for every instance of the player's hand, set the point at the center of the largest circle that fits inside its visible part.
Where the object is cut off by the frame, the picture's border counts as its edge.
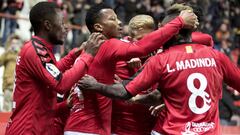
(93, 43)
(87, 83)
(134, 100)
(156, 109)
(79, 49)
(134, 63)
(190, 19)
(117, 79)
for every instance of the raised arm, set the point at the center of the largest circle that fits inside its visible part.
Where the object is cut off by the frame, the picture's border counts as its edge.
(116, 91)
(154, 40)
(147, 78)
(151, 99)
(61, 82)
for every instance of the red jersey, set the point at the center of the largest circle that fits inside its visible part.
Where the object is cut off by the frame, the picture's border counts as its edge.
(130, 119)
(202, 38)
(61, 114)
(94, 115)
(37, 80)
(190, 78)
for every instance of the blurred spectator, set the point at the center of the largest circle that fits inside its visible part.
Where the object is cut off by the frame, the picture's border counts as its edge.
(130, 9)
(227, 108)
(79, 10)
(11, 24)
(8, 60)
(218, 9)
(120, 10)
(1, 10)
(223, 32)
(67, 10)
(58, 2)
(144, 7)
(226, 47)
(157, 10)
(111, 3)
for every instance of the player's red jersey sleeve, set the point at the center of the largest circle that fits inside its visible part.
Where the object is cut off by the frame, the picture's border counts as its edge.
(202, 38)
(231, 73)
(147, 78)
(46, 74)
(153, 41)
(66, 62)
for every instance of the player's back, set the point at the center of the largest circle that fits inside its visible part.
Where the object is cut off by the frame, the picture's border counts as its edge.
(191, 83)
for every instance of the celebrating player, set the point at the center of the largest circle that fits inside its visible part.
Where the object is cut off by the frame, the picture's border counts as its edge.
(190, 79)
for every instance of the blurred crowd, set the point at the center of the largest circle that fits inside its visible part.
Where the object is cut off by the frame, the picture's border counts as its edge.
(221, 19)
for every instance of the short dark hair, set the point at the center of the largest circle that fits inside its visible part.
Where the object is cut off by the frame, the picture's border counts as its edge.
(93, 15)
(172, 13)
(40, 12)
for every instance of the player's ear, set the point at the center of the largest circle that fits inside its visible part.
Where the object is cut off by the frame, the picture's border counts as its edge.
(98, 27)
(47, 25)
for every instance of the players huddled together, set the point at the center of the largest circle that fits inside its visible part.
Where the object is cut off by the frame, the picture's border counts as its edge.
(158, 81)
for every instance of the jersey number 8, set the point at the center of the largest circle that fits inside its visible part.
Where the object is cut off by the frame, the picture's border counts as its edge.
(198, 92)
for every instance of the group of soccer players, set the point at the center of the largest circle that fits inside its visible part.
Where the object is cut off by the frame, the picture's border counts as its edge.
(186, 76)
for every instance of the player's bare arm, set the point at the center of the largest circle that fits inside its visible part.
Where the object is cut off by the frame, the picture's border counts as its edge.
(151, 99)
(116, 91)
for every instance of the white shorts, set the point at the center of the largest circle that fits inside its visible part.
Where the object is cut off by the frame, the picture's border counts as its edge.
(155, 133)
(77, 133)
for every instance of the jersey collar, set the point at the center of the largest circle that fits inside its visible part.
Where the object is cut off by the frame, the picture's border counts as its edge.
(44, 42)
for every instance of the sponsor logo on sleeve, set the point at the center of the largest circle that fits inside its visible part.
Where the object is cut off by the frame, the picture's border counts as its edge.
(53, 70)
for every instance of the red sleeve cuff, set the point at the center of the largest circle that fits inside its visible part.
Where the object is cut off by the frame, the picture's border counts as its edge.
(133, 91)
(181, 20)
(86, 58)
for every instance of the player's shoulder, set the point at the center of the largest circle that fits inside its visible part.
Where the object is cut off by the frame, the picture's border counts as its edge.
(114, 43)
(117, 41)
(27, 48)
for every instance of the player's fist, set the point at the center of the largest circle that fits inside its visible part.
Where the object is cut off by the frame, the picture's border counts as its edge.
(190, 19)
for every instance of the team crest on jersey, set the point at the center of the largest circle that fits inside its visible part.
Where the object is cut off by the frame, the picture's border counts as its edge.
(53, 70)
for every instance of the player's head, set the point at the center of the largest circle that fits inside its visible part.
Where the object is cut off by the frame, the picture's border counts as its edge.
(102, 18)
(140, 25)
(47, 20)
(184, 34)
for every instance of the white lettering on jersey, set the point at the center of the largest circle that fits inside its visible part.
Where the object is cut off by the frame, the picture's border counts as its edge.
(79, 105)
(18, 60)
(169, 70)
(53, 70)
(13, 104)
(192, 63)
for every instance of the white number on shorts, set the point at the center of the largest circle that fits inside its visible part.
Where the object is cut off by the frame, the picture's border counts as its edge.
(198, 92)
